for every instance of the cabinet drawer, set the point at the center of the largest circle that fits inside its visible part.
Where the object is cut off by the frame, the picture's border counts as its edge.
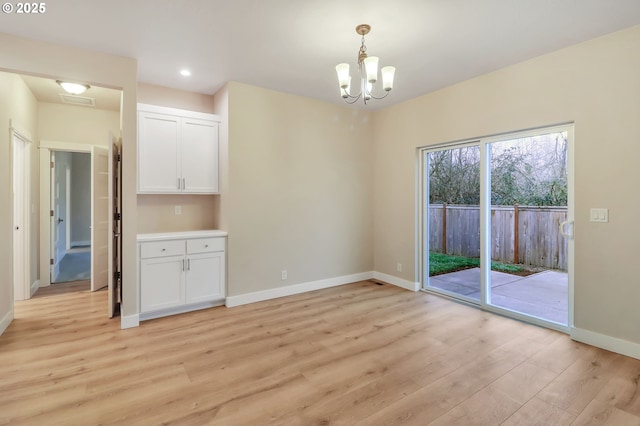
(161, 249)
(205, 245)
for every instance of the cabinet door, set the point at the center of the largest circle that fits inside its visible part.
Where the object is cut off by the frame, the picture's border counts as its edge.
(199, 156)
(161, 283)
(205, 277)
(158, 153)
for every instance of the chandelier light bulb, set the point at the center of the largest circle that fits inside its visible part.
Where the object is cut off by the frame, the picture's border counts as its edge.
(343, 75)
(371, 67)
(344, 92)
(387, 77)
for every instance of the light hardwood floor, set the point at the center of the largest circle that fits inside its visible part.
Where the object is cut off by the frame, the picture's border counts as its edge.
(355, 354)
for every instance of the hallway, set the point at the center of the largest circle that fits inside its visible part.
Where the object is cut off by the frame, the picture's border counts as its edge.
(75, 266)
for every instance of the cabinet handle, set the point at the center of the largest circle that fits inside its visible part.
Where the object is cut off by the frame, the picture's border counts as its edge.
(178, 183)
(206, 246)
(164, 249)
(184, 186)
(188, 264)
(183, 264)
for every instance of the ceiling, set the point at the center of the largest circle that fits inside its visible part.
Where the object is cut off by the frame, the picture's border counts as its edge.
(293, 45)
(47, 90)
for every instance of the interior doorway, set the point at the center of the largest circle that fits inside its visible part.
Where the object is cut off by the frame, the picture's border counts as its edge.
(71, 231)
(496, 223)
(64, 252)
(32, 187)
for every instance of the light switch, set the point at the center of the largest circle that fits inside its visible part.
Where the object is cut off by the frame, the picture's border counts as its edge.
(599, 215)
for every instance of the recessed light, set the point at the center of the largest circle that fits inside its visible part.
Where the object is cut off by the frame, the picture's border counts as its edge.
(185, 73)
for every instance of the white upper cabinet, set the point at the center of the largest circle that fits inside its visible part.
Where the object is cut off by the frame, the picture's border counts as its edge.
(158, 153)
(177, 151)
(199, 156)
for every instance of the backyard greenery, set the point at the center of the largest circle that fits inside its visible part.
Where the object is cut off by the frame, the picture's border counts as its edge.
(529, 172)
(443, 263)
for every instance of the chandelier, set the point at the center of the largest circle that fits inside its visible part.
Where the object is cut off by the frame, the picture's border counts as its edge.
(368, 69)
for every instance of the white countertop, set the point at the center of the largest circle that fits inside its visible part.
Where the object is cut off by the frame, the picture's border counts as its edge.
(181, 235)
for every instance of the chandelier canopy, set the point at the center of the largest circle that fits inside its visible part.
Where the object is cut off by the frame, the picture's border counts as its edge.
(368, 70)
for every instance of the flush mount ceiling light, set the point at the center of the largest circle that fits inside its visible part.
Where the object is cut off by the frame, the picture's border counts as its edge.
(185, 73)
(73, 88)
(368, 70)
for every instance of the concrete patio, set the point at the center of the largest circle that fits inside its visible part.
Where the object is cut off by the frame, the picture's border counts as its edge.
(543, 295)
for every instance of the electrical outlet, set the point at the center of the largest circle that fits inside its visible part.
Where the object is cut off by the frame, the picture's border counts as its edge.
(284, 275)
(178, 210)
(399, 267)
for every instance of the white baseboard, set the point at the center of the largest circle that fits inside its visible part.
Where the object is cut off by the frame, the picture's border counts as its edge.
(274, 293)
(603, 341)
(5, 321)
(399, 282)
(34, 287)
(180, 309)
(80, 243)
(129, 321)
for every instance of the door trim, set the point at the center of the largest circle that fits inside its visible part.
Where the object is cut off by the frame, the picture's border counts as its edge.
(45, 189)
(18, 132)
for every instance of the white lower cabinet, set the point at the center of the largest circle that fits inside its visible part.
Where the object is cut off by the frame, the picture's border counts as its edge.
(161, 283)
(204, 277)
(180, 272)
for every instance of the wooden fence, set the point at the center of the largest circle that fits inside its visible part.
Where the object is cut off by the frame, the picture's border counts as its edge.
(519, 234)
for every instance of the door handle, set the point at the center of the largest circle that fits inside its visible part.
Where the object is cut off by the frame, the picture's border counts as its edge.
(60, 220)
(563, 227)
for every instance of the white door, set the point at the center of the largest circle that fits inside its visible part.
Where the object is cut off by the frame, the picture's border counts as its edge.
(114, 225)
(53, 235)
(100, 205)
(61, 162)
(20, 188)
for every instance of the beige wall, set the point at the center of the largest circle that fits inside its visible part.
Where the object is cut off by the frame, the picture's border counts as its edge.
(77, 124)
(156, 213)
(62, 62)
(299, 190)
(594, 84)
(18, 106)
(221, 108)
(174, 98)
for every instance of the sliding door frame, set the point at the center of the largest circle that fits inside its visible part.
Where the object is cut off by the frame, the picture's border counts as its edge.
(422, 222)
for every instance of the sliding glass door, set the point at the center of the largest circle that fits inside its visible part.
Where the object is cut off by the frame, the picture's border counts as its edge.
(452, 215)
(529, 203)
(496, 225)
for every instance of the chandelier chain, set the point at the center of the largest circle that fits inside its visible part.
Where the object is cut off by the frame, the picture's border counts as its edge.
(362, 54)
